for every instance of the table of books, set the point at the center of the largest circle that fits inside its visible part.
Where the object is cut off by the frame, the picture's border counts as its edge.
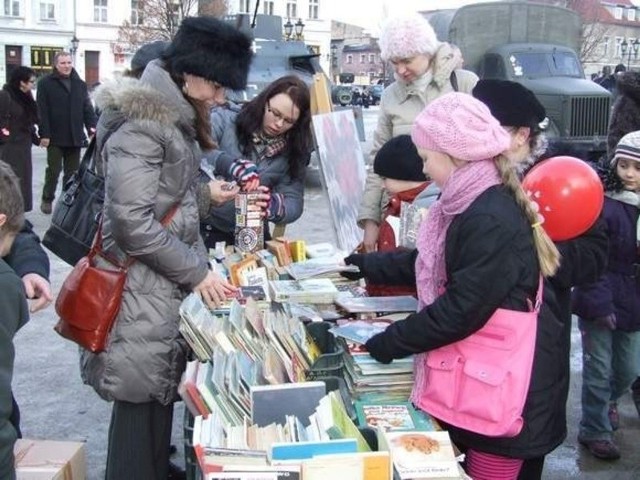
(280, 385)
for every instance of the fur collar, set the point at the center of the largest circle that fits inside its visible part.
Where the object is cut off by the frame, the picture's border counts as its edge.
(446, 59)
(155, 97)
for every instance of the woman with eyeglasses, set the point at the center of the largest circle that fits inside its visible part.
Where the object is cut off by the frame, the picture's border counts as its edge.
(264, 144)
(18, 118)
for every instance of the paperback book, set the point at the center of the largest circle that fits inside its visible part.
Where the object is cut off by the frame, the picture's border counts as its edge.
(399, 303)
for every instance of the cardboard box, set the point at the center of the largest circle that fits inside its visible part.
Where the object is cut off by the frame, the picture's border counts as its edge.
(50, 460)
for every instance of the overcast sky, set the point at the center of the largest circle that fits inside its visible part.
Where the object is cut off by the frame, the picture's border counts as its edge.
(369, 13)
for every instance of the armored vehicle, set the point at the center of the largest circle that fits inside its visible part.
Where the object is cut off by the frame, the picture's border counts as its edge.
(534, 44)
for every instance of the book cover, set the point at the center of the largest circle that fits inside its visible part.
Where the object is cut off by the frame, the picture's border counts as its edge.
(392, 416)
(410, 218)
(303, 450)
(313, 290)
(272, 403)
(399, 303)
(421, 455)
(359, 331)
(318, 266)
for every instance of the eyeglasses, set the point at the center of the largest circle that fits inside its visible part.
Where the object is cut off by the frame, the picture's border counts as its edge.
(279, 116)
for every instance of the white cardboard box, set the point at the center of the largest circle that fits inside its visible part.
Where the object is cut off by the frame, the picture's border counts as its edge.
(50, 460)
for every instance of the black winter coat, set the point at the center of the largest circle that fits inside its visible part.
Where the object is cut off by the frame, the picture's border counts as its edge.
(63, 113)
(491, 262)
(625, 117)
(617, 291)
(27, 255)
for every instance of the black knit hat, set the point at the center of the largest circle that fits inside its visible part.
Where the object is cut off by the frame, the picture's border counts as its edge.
(146, 53)
(512, 104)
(212, 49)
(398, 159)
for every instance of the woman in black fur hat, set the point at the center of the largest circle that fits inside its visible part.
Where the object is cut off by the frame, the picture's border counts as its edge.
(149, 141)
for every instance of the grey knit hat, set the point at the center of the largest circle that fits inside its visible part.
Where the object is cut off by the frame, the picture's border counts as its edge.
(147, 53)
(628, 147)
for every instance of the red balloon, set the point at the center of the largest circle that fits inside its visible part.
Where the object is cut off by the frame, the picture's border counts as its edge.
(569, 196)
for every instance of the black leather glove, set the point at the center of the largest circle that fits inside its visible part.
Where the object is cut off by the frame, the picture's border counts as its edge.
(606, 321)
(376, 346)
(356, 259)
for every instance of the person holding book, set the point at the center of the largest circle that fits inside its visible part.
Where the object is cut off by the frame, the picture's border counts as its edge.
(400, 168)
(264, 144)
(14, 313)
(424, 69)
(149, 138)
(479, 249)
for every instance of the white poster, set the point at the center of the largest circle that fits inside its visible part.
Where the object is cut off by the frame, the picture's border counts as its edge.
(343, 171)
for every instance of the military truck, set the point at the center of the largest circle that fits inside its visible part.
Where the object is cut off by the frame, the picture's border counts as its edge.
(274, 57)
(534, 44)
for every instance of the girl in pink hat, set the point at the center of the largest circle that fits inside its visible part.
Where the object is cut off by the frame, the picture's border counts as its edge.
(480, 250)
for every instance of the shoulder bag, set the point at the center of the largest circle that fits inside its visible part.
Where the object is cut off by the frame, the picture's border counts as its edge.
(481, 382)
(76, 214)
(91, 295)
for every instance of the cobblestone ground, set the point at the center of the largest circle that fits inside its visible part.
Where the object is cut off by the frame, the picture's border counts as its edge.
(56, 405)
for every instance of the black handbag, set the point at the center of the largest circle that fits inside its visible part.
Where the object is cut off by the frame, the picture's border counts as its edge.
(76, 214)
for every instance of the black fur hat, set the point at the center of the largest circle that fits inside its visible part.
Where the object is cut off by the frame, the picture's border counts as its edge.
(512, 104)
(210, 48)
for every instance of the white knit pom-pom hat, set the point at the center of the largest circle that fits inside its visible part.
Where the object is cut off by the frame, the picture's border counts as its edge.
(407, 36)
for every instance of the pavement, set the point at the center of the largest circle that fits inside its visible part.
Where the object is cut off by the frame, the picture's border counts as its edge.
(55, 405)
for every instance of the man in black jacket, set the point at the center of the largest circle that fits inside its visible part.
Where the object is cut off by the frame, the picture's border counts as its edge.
(64, 111)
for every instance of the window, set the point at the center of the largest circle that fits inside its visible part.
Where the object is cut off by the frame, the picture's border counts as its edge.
(617, 13)
(292, 8)
(349, 59)
(12, 8)
(372, 58)
(136, 13)
(313, 9)
(245, 6)
(604, 47)
(618, 52)
(100, 11)
(363, 58)
(631, 14)
(268, 7)
(47, 11)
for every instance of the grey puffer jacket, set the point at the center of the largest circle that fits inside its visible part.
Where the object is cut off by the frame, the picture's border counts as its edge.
(274, 172)
(399, 106)
(150, 161)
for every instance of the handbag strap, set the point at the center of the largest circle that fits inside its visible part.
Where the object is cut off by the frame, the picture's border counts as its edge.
(96, 248)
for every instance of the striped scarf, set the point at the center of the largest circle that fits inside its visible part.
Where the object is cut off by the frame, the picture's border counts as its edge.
(268, 147)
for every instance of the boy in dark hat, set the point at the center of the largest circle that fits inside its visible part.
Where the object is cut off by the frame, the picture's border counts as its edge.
(400, 168)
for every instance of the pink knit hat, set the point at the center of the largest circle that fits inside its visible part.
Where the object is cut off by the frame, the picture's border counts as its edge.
(460, 126)
(407, 36)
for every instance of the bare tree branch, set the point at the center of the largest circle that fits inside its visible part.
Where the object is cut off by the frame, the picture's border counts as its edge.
(154, 20)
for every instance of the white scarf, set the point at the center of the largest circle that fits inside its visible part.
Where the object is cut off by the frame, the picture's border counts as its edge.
(419, 86)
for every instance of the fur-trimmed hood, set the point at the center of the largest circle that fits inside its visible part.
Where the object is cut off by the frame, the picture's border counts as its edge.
(628, 83)
(154, 98)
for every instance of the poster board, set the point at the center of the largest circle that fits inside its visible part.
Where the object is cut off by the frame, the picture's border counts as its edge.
(343, 173)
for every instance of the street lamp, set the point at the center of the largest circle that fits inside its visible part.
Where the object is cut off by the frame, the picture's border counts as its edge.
(74, 46)
(628, 49)
(334, 60)
(288, 29)
(299, 29)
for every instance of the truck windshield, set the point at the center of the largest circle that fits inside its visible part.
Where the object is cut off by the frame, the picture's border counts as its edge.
(544, 64)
